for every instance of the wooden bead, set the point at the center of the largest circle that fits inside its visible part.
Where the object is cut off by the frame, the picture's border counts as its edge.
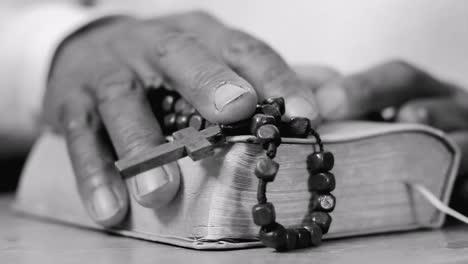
(264, 214)
(298, 127)
(322, 219)
(303, 237)
(272, 110)
(315, 234)
(259, 120)
(238, 128)
(170, 122)
(291, 240)
(267, 134)
(278, 102)
(167, 103)
(320, 161)
(266, 169)
(323, 181)
(183, 107)
(273, 236)
(197, 122)
(325, 202)
(181, 121)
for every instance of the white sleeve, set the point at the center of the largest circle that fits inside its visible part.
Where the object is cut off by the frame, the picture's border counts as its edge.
(29, 37)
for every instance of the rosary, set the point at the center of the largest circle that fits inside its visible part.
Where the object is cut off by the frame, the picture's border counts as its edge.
(196, 137)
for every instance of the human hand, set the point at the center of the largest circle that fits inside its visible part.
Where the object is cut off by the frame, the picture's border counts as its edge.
(417, 96)
(97, 88)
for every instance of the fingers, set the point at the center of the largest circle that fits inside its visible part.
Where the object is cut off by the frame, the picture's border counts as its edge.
(316, 75)
(133, 130)
(102, 191)
(389, 84)
(444, 113)
(216, 91)
(269, 73)
(252, 59)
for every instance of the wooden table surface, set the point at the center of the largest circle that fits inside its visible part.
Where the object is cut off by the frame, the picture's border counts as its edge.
(24, 240)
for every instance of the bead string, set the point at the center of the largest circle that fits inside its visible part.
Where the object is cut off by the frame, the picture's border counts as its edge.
(267, 127)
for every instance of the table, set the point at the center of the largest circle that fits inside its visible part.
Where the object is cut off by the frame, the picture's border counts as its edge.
(25, 240)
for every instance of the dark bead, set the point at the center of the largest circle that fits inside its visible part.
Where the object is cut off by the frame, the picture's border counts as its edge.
(167, 103)
(303, 237)
(181, 122)
(325, 202)
(271, 150)
(266, 169)
(320, 161)
(273, 236)
(237, 128)
(268, 134)
(315, 234)
(278, 102)
(298, 127)
(197, 122)
(322, 219)
(323, 181)
(291, 240)
(263, 214)
(259, 120)
(170, 122)
(272, 110)
(183, 107)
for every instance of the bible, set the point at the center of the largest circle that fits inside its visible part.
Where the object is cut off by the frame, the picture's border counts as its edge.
(375, 163)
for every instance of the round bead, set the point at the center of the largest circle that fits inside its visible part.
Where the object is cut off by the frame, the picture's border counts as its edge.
(268, 133)
(298, 127)
(320, 161)
(273, 236)
(315, 234)
(197, 122)
(264, 214)
(181, 121)
(259, 120)
(303, 237)
(326, 202)
(278, 102)
(167, 103)
(266, 169)
(272, 110)
(323, 181)
(170, 122)
(183, 107)
(322, 219)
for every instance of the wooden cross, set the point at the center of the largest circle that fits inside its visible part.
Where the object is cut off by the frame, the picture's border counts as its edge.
(188, 141)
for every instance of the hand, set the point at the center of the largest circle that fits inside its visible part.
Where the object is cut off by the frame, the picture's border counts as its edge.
(97, 88)
(420, 98)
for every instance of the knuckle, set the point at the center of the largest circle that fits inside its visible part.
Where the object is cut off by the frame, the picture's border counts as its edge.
(406, 72)
(115, 82)
(358, 88)
(171, 40)
(242, 45)
(201, 16)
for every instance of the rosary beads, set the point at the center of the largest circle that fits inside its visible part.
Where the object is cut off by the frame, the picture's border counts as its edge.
(268, 127)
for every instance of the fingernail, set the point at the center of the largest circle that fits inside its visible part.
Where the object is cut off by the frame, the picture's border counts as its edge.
(331, 100)
(150, 181)
(418, 115)
(105, 203)
(227, 93)
(301, 106)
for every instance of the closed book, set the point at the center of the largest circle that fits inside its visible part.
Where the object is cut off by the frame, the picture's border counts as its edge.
(375, 165)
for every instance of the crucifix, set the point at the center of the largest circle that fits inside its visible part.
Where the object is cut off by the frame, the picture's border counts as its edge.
(187, 142)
